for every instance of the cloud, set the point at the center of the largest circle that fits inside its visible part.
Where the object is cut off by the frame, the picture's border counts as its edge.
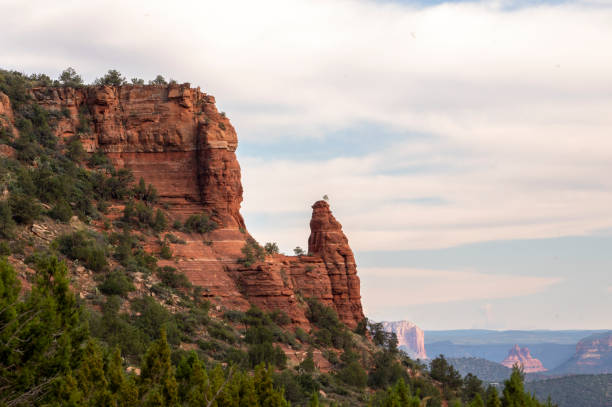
(487, 311)
(512, 101)
(394, 288)
(448, 196)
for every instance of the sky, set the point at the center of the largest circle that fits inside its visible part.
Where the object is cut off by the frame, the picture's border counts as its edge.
(465, 146)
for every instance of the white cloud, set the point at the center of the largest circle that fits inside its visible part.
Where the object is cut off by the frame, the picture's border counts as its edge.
(394, 288)
(518, 102)
(478, 198)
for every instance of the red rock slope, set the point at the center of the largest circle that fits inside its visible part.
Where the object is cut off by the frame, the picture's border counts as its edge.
(174, 137)
(522, 357)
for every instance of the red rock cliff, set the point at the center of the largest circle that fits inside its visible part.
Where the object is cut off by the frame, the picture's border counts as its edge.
(174, 137)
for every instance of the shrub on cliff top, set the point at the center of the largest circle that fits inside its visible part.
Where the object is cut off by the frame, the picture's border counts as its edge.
(271, 248)
(70, 78)
(112, 78)
(159, 80)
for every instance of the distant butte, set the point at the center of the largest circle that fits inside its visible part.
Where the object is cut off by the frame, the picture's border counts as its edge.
(523, 358)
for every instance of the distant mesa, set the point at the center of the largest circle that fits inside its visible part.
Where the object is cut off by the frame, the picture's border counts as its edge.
(523, 358)
(410, 337)
(593, 355)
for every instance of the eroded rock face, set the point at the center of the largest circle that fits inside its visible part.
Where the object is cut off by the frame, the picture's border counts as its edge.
(522, 357)
(174, 137)
(410, 338)
(328, 242)
(593, 356)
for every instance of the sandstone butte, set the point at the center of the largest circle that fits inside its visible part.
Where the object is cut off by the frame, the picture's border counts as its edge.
(174, 137)
(593, 355)
(410, 337)
(523, 358)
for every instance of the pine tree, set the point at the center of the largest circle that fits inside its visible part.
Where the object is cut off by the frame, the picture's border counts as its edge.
(403, 392)
(248, 395)
(264, 386)
(514, 392)
(141, 189)
(314, 400)
(41, 335)
(158, 386)
(91, 377)
(199, 389)
(492, 397)
(7, 224)
(123, 389)
(477, 401)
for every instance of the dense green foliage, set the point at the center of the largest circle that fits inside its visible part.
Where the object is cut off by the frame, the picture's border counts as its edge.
(49, 358)
(40, 334)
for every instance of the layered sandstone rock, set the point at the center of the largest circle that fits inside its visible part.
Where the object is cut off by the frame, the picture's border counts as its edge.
(523, 358)
(410, 338)
(174, 137)
(328, 242)
(593, 356)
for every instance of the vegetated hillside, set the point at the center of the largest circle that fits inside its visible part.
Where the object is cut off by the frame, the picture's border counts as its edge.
(575, 391)
(117, 290)
(550, 354)
(486, 370)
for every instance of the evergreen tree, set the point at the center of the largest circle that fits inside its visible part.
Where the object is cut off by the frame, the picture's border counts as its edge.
(91, 378)
(112, 78)
(199, 388)
(514, 391)
(158, 386)
(123, 389)
(70, 78)
(492, 397)
(264, 386)
(472, 386)
(314, 400)
(477, 401)
(40, 336)
(7, 224)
